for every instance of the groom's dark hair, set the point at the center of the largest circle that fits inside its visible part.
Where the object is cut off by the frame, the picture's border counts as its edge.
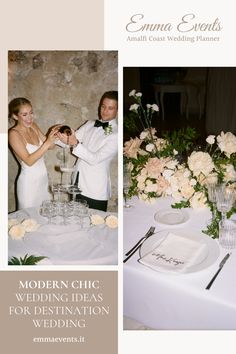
(112, 95)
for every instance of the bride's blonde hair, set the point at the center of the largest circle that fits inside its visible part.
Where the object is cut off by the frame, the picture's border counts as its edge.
(15, 105)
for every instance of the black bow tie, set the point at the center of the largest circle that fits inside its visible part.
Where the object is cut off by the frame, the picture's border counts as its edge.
(99, 123)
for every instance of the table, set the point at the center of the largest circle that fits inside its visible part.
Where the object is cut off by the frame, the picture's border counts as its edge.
(174, 302)
(66, 244)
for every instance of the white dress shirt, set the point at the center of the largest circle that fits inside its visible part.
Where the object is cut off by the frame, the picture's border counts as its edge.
(95, 152)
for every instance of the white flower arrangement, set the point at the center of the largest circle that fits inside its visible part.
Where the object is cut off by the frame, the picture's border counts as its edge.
(156, 170)
(97, 219)
(12, 222)
(18, 229)
(17, 232)
(30, 225)
(110, 220)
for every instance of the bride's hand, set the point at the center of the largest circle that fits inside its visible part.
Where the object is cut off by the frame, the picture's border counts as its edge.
(71, 140)
(52, 136)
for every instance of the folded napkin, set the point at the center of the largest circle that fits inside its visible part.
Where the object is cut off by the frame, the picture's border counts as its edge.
(174, 254)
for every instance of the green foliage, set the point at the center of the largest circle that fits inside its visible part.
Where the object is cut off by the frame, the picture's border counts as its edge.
(26, 260)
(212, 230)
(181, 140)
(182, 204)
(231, 212)
(131, 123)
(139, 162)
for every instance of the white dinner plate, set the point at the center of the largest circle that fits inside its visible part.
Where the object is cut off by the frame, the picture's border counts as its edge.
(171, 216)
(209, 257)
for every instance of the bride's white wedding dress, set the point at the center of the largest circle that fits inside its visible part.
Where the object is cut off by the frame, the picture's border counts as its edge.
(32, 184)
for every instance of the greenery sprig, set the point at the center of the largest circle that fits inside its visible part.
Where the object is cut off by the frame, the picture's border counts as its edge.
(26, 260)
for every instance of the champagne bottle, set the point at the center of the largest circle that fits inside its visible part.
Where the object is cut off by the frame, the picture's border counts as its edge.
(65, 129)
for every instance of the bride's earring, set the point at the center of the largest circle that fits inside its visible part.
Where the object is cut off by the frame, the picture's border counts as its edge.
(14, 116)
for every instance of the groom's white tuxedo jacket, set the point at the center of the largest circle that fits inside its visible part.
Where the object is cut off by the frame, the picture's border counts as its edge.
(95, 152)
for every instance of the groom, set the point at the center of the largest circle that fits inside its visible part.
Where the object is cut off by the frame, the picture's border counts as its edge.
(96, 144)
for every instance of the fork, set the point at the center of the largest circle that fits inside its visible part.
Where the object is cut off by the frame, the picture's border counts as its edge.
(139, 243)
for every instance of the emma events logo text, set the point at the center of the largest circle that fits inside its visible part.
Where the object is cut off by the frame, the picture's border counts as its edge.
(188, 23)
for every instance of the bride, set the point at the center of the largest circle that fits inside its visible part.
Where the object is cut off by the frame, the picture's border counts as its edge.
(29, 145)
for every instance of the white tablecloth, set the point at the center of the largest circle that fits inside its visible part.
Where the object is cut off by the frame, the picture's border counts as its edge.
(167, 301)
(66, 244)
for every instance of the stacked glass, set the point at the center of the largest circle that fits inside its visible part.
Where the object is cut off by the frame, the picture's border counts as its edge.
(66, 213)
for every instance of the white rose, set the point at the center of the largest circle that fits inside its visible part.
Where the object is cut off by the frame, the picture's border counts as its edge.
(134, 107)
(132, 93)
(142, 177)
(200, 162)
(177, 196)
(212, 178)
(167, 174)
(187, 191)
(210, 139)
(112, 221)
(171, 164)
(131, 147)
(231, 188)
(175, 152)
(149, 147)
(230, 174)
(138, 94)
(142, 196)
(193, 182)
(144, 134)
(186, 173)
(12, 222)
(198, 200)
(174, 183)
(155, 107)
(141, 186)
(150, 187)
(161, 144)
(97, 219)
(202, 180)
(30, 225)
(141, 182)
(142, 152)
(227, 143)
(17, 232)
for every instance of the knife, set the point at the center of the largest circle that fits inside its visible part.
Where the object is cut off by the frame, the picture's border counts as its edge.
(221, 265)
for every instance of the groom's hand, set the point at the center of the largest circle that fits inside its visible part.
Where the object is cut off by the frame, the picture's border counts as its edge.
(71, 139)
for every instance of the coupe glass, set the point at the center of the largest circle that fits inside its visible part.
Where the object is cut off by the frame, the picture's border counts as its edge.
(57, 191)
(74, 190)
(68, 213)
(48, 210)
(82, 212)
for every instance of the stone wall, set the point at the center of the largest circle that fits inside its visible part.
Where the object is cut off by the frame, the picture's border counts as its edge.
(63, 86)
